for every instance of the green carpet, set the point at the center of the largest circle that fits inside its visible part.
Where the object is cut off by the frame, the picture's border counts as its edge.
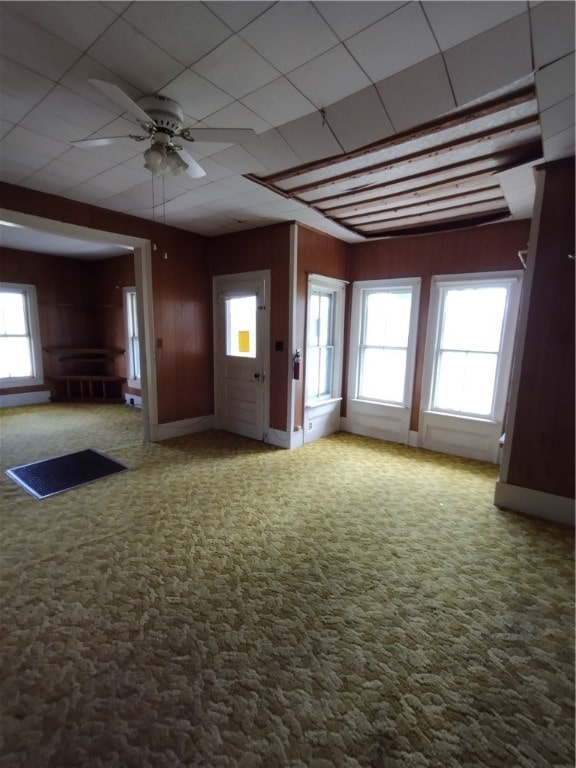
(350, 604)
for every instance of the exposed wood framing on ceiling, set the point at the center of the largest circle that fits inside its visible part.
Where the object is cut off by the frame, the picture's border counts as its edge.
(441, 176)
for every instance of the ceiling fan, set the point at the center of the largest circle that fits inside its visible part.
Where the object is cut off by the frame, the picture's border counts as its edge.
(162, 119)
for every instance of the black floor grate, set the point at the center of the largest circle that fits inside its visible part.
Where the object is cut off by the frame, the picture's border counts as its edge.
(50, 476)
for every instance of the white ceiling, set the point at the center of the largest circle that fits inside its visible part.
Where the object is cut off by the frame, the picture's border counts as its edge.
(314, 79)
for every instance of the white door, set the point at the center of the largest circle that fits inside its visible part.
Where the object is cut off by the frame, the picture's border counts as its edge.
(241, 332)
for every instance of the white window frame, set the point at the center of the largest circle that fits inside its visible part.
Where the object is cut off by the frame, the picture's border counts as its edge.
(337, 289)
(377, 418)
(132, 381)
(33, 326)
(360, 291)
(512, 280)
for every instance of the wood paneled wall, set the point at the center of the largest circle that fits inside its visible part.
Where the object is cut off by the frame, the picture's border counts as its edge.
(181, 296)
(541, 446)
(258, 249)
(481, 249)
(318, 254)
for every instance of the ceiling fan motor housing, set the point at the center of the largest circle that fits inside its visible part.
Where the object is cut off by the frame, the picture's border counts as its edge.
(166, 113)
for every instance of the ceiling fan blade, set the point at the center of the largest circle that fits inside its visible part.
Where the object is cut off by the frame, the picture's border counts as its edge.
(225, 135)
(194, 169)
(122, 99)
(106, 140)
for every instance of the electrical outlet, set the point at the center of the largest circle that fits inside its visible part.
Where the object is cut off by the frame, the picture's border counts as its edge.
(309, 425)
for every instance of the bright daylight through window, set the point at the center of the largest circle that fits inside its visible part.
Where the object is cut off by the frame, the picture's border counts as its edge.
(384, 340)
(474, 328)
(320, 355)
(241, 326)
(132, 337)
(20, 360)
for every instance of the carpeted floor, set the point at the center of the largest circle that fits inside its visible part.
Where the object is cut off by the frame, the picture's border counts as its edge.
(350, 604)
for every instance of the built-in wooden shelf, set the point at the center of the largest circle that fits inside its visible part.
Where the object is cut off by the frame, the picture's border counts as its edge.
(85, 375)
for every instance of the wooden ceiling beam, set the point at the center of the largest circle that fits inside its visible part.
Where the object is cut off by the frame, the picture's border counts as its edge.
(462, 117)
(524, 124)
(441, 211)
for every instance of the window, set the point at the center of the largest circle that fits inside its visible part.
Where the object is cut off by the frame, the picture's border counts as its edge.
(473, 323)
(385, 315)
(20, 355)
(241, 326)
(324, 339)
(132, 338)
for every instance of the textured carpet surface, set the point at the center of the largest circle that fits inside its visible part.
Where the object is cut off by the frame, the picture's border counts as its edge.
(350, 604)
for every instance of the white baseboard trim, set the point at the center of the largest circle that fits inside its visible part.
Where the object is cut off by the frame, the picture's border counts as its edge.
(413, 439)
(547, 506)
(183, 427)
(135, 401)
(24, 398)
(283, 439)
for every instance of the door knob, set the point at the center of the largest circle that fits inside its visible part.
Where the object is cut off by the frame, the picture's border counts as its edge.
(256, 375)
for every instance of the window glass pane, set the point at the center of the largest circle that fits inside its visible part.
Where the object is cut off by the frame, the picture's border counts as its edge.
(312, 369)
(382, 374)
(15, 357)
(325, 371)
(241, 326)
(387, 318)
(313, 319)
(465, 382)
(324, 326)
(472, 318)
(135, 357)
(13, 313)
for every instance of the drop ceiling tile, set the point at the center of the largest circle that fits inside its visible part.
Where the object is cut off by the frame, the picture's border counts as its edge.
(73, 174)
(27, 157)
(490, 60)
(48, 124)
(289, 34)
(237, 15)
(417, 94)
(20, 90)
(14, 172)
(560, 145)
(237, 116)
(78, 78)
(236, 68)
(394, 43)
(35, 142)
(197, 96)
(557, 118)
(5, 127)
(278, 102)
(79, 24)
(118, 6)
(240, 184)
(47, 181)
(88, 160)
(352, 132)
(311, 137)
(453, 23)
(66, 104)
(239, 160)
(346, 19)
(34, 48)
(274, 152)
(186, 31)
(552, 31)
(555, 82)
(329, 77)
(138, 60)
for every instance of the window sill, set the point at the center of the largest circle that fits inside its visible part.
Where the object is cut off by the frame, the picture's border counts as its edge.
(383, 403)
(325, 401)
(464, 416)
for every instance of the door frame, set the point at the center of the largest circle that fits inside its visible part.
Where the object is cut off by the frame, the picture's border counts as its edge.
(142, 250)
(238, 279)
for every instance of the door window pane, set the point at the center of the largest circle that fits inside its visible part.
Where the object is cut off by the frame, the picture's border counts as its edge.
(241, 326)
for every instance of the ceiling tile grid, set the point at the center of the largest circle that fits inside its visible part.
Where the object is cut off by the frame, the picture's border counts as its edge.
(313, 79)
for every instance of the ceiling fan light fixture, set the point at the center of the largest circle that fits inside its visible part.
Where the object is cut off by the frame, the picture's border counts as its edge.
(154, 159)
(174, 163)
